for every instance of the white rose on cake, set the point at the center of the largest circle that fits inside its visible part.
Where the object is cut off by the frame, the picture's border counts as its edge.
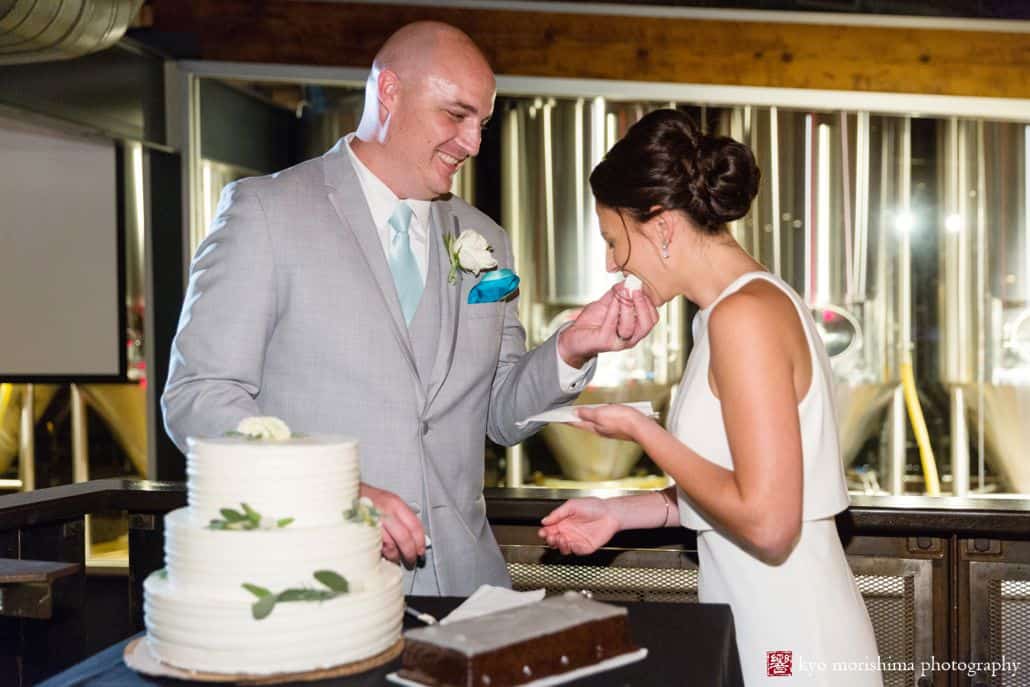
(263, 427)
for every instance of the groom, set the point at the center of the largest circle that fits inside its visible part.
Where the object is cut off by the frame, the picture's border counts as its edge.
(321, 296)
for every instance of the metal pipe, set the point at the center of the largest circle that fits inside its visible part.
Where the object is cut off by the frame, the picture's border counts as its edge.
(27, 440)
(884, 332)
(750, 134)
(810, 214)
(738, 228)
(957, 314)
(193, 190)
(80, 437)
(579, 184)
(959, 443)
(897, 428)
(903, 227)
(80, 457)
(153, 391)
(849, 240)
(957, 306)
(986, 305)
(823, 290)
(511, 209)
(513, 468)
(6, 392)
(603, 134)
(861, 201)
(547, 144)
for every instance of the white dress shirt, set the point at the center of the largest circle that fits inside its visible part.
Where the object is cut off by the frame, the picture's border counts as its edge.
(382, 202)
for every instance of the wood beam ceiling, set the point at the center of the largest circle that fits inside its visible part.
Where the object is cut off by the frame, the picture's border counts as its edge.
(676, 50)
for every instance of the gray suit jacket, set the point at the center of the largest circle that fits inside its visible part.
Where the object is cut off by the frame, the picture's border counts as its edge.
(291, 311)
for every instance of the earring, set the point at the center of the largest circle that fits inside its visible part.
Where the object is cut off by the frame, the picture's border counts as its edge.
(665, 250)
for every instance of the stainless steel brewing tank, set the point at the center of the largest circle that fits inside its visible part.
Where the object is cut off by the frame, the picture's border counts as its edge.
(549, 148)
(831, 190)
(984, 267)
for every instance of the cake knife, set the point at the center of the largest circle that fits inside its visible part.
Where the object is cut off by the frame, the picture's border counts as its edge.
(418, 615)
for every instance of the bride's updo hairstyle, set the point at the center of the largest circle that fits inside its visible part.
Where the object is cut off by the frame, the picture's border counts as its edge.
(665, 161)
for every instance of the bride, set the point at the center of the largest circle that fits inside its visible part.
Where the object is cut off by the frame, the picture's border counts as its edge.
(751, 441)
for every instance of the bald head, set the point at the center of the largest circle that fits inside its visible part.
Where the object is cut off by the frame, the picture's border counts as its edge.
(425, 46)
(428, 96)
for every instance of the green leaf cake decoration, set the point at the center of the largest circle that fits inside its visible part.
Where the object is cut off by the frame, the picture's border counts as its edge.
(363, 512)
(335, 583)
(245, 519)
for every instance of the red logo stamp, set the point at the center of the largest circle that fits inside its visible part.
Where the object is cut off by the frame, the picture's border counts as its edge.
(779, 663)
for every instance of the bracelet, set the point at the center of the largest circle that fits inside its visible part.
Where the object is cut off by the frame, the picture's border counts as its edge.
(665, 520)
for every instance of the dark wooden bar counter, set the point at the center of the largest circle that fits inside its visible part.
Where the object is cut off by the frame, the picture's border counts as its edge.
(895, 515)
(916, 515)
(939, 575)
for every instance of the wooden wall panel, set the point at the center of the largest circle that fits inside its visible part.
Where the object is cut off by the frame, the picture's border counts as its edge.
(741, 53)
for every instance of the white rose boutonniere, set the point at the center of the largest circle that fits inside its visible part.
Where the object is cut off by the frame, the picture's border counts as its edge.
(263, 427)
(468, 251)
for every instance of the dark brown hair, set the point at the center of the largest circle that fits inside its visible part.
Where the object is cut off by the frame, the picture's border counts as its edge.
(664, 160)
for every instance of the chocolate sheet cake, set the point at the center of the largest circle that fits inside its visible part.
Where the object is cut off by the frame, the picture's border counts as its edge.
(518, 645)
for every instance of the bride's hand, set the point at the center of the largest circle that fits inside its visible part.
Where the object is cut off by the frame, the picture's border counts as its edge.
(612, 421)
(579, 526)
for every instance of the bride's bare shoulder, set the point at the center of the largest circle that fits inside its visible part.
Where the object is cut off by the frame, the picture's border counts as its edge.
(760, 312)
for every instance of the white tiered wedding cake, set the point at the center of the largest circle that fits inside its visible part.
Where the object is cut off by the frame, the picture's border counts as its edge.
(275, 566)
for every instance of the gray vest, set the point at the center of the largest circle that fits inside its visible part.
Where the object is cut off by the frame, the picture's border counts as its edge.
(424, 332)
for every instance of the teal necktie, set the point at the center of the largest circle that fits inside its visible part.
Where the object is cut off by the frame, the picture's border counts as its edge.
(406, 276)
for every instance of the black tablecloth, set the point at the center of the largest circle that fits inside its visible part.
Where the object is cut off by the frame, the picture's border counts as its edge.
(688, 644)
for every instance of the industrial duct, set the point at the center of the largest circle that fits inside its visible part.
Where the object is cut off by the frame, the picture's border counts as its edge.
(40, 30)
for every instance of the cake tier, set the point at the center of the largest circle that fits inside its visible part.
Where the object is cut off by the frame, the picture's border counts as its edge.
(208, 563)
(310, 479)
(222, 636)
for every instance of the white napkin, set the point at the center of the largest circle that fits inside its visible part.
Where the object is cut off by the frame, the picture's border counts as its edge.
(568, 413)
(488, 599)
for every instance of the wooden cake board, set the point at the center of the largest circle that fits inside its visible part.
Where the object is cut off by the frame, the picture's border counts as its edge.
(138, 657)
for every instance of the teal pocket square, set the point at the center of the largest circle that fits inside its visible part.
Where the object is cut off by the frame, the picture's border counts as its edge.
(495, 285)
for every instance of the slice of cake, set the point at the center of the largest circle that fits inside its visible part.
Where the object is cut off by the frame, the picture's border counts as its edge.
(275, 565)
(519, 645)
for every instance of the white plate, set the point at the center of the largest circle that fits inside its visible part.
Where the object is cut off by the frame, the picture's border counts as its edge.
(568, 413)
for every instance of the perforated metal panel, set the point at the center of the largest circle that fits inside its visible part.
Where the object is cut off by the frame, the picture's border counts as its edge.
(999, 620)
(1009, 612)
(891, 599)
(612, 583)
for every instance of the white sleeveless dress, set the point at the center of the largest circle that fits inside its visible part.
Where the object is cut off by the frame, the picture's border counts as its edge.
(802, 622)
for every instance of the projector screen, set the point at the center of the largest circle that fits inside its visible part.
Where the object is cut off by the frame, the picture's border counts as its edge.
(61, 265)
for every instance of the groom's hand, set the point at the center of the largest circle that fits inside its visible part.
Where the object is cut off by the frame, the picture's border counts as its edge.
(598, 327)
(404, 539)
